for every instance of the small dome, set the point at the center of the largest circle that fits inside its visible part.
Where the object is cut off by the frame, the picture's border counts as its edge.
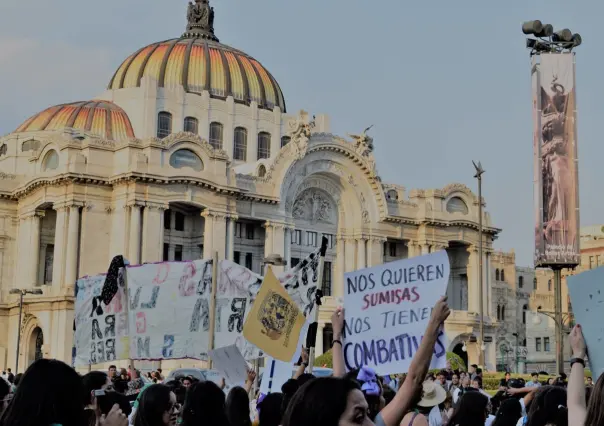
(102, 118)
(198, 62)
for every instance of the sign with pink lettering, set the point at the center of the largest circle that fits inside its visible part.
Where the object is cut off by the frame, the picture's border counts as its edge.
(169, 309)
(387, 310)
(101, 331)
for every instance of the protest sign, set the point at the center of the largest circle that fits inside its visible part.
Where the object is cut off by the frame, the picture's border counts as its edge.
(230, 363)
(586, 291)
(169, 311)
(275, 321)
(387, 310)
(275, 374)
(101, 331)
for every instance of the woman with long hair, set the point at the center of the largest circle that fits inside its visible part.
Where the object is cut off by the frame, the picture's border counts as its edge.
(238, 407)
(204, 405)
(328, 401)
(157, 406)
(269, 410)
(471, 410)
(548, 408)
(51, 392)
(508, 413)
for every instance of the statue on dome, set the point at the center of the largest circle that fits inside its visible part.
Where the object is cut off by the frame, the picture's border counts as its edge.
(363, 143)
(200, 16)
(300, 133)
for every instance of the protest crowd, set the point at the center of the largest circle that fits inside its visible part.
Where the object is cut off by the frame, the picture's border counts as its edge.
(52, 393)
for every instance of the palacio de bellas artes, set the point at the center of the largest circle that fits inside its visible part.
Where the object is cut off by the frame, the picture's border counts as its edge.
(190, 150)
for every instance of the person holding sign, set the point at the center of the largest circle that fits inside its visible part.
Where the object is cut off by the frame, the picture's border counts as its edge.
(410, 391)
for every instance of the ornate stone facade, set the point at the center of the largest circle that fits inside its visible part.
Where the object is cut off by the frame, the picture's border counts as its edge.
(206, 174)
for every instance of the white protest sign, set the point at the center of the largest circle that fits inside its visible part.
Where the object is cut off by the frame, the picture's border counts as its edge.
(275, 374)
(101, 333)
(586, 292)
(169, 315)
(230, 363)
(387, 310)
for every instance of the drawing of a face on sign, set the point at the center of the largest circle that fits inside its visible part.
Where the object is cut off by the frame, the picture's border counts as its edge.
(277, 316)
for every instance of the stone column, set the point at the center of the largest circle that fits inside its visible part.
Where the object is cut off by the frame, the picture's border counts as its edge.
(214, 236)
(412, 249)
(288, 246)
(231, 237)
(425, 248)
(361, 253)
(473, 284)
(268, 238)
(339, 281)
(153, 233)
(119, 230)
(319, 342)
(351, 254)
(376, 251)
(34, 247)
(134, 246)
(58, 264)
(438, 247)
(73, 237)
(275, 242)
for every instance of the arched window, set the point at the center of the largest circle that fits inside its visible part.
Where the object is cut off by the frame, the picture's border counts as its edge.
(51, 161)
(264, 145)
(392, 195)
(535, 283)
(496, 274)
(520, 281)
(261, 171)
(240, 144)
(502, 275)
(457, 205)
(164, 124)
(524, 342)
(30, 145)
(3, 149)
(503, 313)
(498, 312)
(524, 309)
(191, 125)
(216, 135)
(549, 285)
(285, 140)
(186, 158)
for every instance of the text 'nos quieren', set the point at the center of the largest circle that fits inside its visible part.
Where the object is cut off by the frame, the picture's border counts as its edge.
(392, 277)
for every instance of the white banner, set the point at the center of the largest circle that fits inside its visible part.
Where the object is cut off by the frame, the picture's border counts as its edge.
(169, 311)
(387, 310)
(101, 331)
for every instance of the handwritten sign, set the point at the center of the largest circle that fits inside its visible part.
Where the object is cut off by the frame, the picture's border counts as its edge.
(586, 291)
(230, 363)
(169, 311)
(387, 310)
(101, 333)
(275, 374)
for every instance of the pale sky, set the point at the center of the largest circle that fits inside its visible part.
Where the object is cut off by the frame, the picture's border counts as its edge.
(444, 82)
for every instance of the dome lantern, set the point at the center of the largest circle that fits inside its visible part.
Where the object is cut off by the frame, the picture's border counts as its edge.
(200, 21)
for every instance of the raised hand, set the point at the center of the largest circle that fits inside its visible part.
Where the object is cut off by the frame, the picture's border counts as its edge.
(577, 342)
(441, 311)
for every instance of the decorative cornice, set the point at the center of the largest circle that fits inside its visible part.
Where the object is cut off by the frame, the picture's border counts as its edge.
(214, 214)
(155, 205)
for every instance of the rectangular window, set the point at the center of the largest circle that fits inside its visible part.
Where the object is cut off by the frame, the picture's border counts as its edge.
(597, 261)
(392, 249)
(591, 262)
(538, 344)
(238, 229)
(179, 221)
(546, 344)
(249, 231)
(295, 261)
(178, 253)
(311, 238)
(297, 237)
(49, 257)
(248, 261)
(166, 252)
(327, 278)
(167, 219)
(237, 257)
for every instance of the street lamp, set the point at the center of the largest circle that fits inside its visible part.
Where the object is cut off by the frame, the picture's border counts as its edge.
(479, 172)
(21, 293)
(517, 366)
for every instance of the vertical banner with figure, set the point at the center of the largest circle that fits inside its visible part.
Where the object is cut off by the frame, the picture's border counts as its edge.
(387, 310)
(555, 150)
(101, 331)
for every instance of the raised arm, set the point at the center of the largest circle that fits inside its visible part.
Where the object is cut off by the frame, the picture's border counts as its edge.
(393, 413)
(302, 367)
(251, 377)
(577, 411)
(337, 354)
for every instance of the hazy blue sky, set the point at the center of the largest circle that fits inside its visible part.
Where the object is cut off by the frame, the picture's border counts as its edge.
(444, 82)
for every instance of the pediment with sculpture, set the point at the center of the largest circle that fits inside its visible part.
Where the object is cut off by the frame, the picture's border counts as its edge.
(315, 206)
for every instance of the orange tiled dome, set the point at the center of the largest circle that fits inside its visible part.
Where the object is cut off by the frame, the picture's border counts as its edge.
(102, 118)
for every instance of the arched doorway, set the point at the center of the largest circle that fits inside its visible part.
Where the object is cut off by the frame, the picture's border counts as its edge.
(458, 350)
(36, 341)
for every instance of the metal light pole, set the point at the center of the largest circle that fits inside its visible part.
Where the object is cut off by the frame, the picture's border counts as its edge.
(517, 350)
(559, 318)
(21, 293)
(479, 172)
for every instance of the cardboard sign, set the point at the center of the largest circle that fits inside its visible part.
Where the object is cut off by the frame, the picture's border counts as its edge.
(231, 364)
